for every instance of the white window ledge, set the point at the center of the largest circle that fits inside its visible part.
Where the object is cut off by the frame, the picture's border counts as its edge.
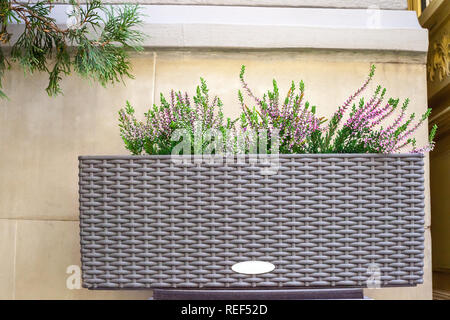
(346, 4)
(271, 28)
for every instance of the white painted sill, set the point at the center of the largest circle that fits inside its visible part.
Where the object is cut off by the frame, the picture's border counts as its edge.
(232, 27)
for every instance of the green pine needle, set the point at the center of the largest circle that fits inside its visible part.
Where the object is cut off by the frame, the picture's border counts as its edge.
(101, 55)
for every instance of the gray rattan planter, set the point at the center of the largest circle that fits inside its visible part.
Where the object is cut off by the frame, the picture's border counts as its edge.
(322, 220)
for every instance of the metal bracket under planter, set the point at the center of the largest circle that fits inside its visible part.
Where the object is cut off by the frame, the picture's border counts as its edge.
(291, 294)
(322, 220)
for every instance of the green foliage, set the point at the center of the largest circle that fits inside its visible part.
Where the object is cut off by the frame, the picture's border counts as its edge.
(289, 123)
(96, 45)
(432, 133)
(193, 120)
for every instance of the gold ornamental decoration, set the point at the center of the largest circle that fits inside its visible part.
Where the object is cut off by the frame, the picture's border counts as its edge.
(439, 62)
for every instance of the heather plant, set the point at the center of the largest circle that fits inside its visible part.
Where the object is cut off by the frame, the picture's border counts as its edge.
(367, 126)
(196, 119)
(292, 118)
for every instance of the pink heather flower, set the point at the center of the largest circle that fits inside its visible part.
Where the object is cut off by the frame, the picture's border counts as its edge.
(384, 114)
(341, 110)
(427, 148)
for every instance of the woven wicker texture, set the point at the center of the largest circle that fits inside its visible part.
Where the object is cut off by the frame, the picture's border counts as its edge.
(322, 220)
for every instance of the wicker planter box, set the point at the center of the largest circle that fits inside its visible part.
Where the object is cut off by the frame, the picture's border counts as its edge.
(322, 220)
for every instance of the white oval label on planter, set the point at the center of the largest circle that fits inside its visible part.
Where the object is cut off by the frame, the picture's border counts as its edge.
(252, 267)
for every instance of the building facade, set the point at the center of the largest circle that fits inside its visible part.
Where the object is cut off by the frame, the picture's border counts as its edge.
(330, 45)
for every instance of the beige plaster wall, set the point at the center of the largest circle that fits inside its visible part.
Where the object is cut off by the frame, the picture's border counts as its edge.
(41, 138)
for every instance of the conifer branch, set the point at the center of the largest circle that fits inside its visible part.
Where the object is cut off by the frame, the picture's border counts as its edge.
(95, 44)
